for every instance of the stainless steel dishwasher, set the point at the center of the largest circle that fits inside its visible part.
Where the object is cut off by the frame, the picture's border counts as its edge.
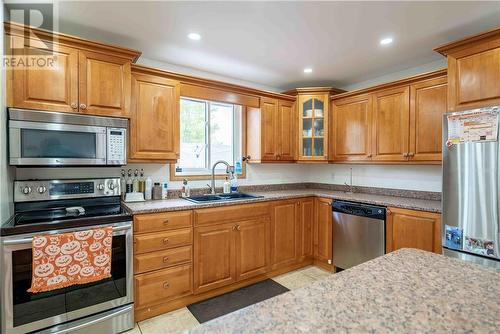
(358, 233)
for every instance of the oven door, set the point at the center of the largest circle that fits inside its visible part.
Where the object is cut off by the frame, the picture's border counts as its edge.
(55, 144)
(24, 312)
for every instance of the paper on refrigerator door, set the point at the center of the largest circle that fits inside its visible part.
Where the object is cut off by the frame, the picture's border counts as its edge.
(472, 127)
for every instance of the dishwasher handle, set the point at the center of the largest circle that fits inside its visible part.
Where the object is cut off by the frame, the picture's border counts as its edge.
(359, 209)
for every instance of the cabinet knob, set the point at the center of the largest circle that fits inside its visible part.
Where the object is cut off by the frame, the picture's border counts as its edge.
(411, 154)
(405, 155)
(74, 105)
(165, 222)
(165, 241)
(166, 285)
(238, 228)
(369, 155)
(83, 106)
(165, 259)
(389, 212)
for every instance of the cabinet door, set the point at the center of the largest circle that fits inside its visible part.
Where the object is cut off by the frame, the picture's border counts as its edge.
(286, 131)
(313, 127)
(253, 243)
(269, 123)
(214, 256)
(391, 124)
(104, 84)
(427, 106)
(285, 241)
(474, 76)
(53, 88)
(306, 224)
(413, 229)
(323, 230)
(154, 122)
(351, 124)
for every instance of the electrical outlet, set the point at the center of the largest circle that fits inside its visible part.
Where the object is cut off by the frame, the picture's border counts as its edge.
(329, 261)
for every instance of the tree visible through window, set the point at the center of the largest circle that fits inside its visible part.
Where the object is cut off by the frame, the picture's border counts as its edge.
(210, 131)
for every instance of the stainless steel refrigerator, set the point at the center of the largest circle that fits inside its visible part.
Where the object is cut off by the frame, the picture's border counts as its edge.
(471, 197)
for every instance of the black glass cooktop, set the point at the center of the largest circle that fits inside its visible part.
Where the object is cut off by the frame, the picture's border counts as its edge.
(60, 214)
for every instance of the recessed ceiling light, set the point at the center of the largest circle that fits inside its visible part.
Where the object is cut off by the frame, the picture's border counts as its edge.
(308, 70)
(386, 41)
(194, 36)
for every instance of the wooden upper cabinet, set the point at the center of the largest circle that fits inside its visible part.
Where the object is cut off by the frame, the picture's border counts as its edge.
(104, 84)
(286, 133)
(87, 76)
(413, 229)
(285, 233)
(427, 106)
(351, 128)
(313, 127)
(323, 230)
(473, 71)
(252, 247)
(390, 129)
(154, 119)
(54, 88)
(269, 124)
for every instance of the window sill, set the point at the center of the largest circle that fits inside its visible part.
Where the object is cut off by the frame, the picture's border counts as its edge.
(200, 177)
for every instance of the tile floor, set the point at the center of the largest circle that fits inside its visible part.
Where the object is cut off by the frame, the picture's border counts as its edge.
(181, 319)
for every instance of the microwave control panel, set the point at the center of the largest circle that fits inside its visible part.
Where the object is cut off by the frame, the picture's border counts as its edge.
(117, 146)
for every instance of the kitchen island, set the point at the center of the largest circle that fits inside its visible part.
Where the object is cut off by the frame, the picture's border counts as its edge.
(407, 291)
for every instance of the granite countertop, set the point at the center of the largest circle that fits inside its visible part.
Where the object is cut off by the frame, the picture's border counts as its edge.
(383, 200)
(407, 291)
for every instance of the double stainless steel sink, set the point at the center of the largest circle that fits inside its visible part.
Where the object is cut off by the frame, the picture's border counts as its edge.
(221, 197)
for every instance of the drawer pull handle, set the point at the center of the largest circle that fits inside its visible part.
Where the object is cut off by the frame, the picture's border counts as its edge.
(165, 259)
(165, 241)
(165, 222)
(166, 285)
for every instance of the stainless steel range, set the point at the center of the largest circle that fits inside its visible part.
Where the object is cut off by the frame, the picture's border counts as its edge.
(59, 206)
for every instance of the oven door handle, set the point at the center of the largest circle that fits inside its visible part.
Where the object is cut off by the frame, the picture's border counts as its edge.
(20, 241)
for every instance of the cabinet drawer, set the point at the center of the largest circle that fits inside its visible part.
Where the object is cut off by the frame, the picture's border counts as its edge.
(231, 213)
(162, 221)
(163, 240)
(162, 285)
(161, 259)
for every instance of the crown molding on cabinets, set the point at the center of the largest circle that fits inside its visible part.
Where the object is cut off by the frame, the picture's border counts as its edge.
(490, 36)
(16, 29)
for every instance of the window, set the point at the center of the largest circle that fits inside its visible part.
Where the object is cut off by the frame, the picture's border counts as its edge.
(210, 131)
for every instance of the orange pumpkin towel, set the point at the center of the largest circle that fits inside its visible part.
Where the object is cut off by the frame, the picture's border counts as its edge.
(61, 260)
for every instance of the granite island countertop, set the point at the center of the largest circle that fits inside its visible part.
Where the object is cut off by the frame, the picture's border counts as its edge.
(407, 291)
(383, 200)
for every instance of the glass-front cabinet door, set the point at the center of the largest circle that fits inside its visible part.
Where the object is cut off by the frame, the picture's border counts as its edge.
(313, 111)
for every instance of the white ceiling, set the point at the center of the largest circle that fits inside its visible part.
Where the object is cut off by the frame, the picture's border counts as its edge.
(270, 43)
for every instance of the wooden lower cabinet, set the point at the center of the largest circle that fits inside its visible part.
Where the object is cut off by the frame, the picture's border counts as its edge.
(252, 248)
(323, 231)
(285, 230)
(413, 229)
(162, 285)
(214, 256)
(306, 227)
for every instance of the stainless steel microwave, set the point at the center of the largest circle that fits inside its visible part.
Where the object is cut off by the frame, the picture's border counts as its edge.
(46, 138)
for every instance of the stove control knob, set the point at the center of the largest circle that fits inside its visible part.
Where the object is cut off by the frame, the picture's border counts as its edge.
(26, 190)
(41, 189)
(100, 186)
(111, 186)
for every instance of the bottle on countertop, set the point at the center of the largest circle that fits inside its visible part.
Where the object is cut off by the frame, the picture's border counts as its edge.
(122, 183)
(129, 184)
(164, 190)
(135, 181)
(142, 182)
(226, 188)
(157, 191)
(234, 183)
(185, 191)
(148, 188)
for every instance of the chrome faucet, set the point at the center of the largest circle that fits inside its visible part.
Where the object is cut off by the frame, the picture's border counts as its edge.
(229, 169)
(349, 187)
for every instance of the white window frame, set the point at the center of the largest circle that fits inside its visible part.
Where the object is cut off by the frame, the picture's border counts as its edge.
(237, 139)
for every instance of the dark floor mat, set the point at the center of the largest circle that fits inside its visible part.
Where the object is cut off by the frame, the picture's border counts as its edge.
(229, 302)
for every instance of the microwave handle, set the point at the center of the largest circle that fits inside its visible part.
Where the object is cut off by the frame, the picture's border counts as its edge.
(21, 241)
